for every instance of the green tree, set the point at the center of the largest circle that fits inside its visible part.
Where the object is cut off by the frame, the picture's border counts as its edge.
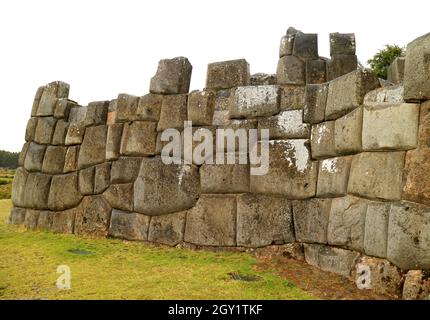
(8, 159)
(383, 58)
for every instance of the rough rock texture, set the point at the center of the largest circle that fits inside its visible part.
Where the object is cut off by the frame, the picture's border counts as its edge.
(396, 70)
(342, 43)
(201, 107)
(390, 94)
(286, 125)
(167, 229)
(173, 112)
(316, 71)
(255, 101)
(341, 64)
(228, 74)
(64, 193)
(416, 285)
(113, 142)
(139, 138)
(292, 97)
(173, 76)
(290, 70)
(34, 157)
(333, 175)
(348, 133)
(130, 226)
(64, 221)
(36, 191)
(376, 229)
(306, 45)
(120, 196)
(92, 217)
(322, 140)
(53, 161)
(18, 187)
(93, 148)
(315, 102)
(125, 169)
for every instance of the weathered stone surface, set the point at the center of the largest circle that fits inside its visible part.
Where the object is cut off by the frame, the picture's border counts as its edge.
(333, 177)
(377, 175)
(376, 229)
(71, 160)
(36, 100)
(287, 43)
(113, 142)
(130, 226)
(290, 70)
(149, 107)
(17, 216)
(45, 220)
(48, 99)
(291, 172)
(417, 64)
(322, 140)
(331, 259)
(292, 97)
(23, 154)
(341, 64)
(86, 180)
(346, 223)
(78, 114)
(92, 217)
(306, 45)
(96, 113)
(200, 154)
(290, 251)
(53, 161)
(384, 277)
(409, 236)
(173, 76)
(311, 220)
(31, 129)
(161, 189)
(416, 285)
(102, 177)
(286, 125)
(120, 196)
(63, 107)
(224, 178)
(34, 157)
(139, 138)
(396, 70)
(93, 148)
(173, 112)
(263, 220)
(263, 79)
(125, 170)
(208, 226)
(201, 107)
(236, 126)
(390, 94)
(64, 193)
(63, 221)
(348, 133)
(167, 229)
(126, 107)
(401, 134)
(316, 71)
(31, 218)
(255, 101)
(37, 190)
(347, 92)
(227, 74)
(342, 43)
(75, 133)
(60, 133)
(315, 102)
(44, 130)
(18, 187)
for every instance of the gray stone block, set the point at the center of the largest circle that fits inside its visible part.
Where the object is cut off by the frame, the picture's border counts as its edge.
(149, 107)
(173, 112)
(167, 229)
(390, 94)
(201, 107)
(34, 157)
(342, 43)
(102, 177)
(306, 45)
(53, 161)
(63, 221)
(92, 217)
(290, 70)
(120, 196)
(60, 133)
(315, 102)
(341, 64)
(86, 180)
(96, 113)
(93, 148)
(139, 138)
(31, 129)
(45, 220)
(113, 141)
(130, 226)
(63, 107)
(37, 188)
(227, 74)
(23, 154)
(322, 140)
(173, 76)
(292, 97)
(44, 130)
(396, 71)
(125, 170)
(286, 125)
(376, 229)
(348, 133)
(19, 187)
(126, 108)
(36, 101)
(48, 99)
(17, 216)
(64, 193)
(263, 79)
(31, 218)
(75, 133)
(71, 160)
(333, 175)
(316, 71)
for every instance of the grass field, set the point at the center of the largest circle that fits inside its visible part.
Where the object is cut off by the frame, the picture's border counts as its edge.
(116, 269)
(6, 177)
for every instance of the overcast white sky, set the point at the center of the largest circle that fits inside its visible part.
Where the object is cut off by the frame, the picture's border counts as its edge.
(102, 48)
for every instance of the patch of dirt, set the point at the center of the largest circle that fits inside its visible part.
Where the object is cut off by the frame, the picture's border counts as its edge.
(322, 284)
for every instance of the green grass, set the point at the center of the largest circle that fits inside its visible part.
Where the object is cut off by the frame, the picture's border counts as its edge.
(126, 270)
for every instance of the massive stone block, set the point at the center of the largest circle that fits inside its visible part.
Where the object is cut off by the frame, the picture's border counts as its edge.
(54, 159)
(120, 196)
(113, 141)
(212, 221)
(34, 157)
(60, 133)
(348, 133)
(306, 45)
(36, 191)
(63, 221)
(75, 133)
(44, 130)
(396, 71)
(167, 229)
(263, 220)
(18, 187)
(31, 218)
(235, 125)
(311, 220)
(130, 226)
(45, 220)
(346, 222)
(376, 229)
(401, 134)
(48, 99)
(63, 107)
(331, 259)
(201, 107)
(173, 76)
(417, 65)
(390, 94)
(96, 113)
(149, 107)
(292, 97)
(377, 175)
(263, 79)
(322, 140)
(125, 169)
(31, 129)
(255, 101)
(86, 180)
(316, 71)
(287, 42)
(227, 74)
(64, 193)
(342, 43)
(173, 112)
(71, 160)
(409, 236)
(92, 217)
(333, 175)
(315, 102)
(17, 216)
(126, 108)
(290, 70)
(341, 64)
(139, 138)
(36, 100)
(161, 188)
(291, 172)
(93, 148)
(102, 177)
(347, 92)
(286, 125)
(23, 154)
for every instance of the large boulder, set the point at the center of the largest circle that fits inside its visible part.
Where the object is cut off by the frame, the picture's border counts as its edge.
(125, 169)
(348, 132)
(63, 221)
(173, 112)
(53, 161)
(149, 107)
(44, 130)
(228, 74)
(290, 70)
(167, 229)
(93, 148)
(286, 125)
(34, 157)
(201, 107)
(139, 138)
(341, 64)
(315, 102)
(18, 187)
(322, 140)
(37, 188)
(92, 217)
(306, 45)
(316, 71)
(130, 226)
(333, 175)
(376, 229)
(292, 97)
(342, 43)
(64, 193)
(49, 96)
(173, 76)
(120, 196)
(60, 133)
(113, 141)
(396, 71)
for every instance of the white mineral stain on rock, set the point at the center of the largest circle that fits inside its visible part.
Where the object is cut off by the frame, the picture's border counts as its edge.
(329, 165)
(184, 169)
(290, 120)
(255, 96)
(322, 129)
(296, 153)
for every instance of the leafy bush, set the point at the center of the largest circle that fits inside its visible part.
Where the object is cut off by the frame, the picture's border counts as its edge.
(383, 58)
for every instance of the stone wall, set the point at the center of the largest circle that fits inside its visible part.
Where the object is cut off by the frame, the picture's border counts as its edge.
(349, 174)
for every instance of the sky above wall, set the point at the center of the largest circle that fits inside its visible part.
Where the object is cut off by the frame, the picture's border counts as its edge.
(102, 47)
